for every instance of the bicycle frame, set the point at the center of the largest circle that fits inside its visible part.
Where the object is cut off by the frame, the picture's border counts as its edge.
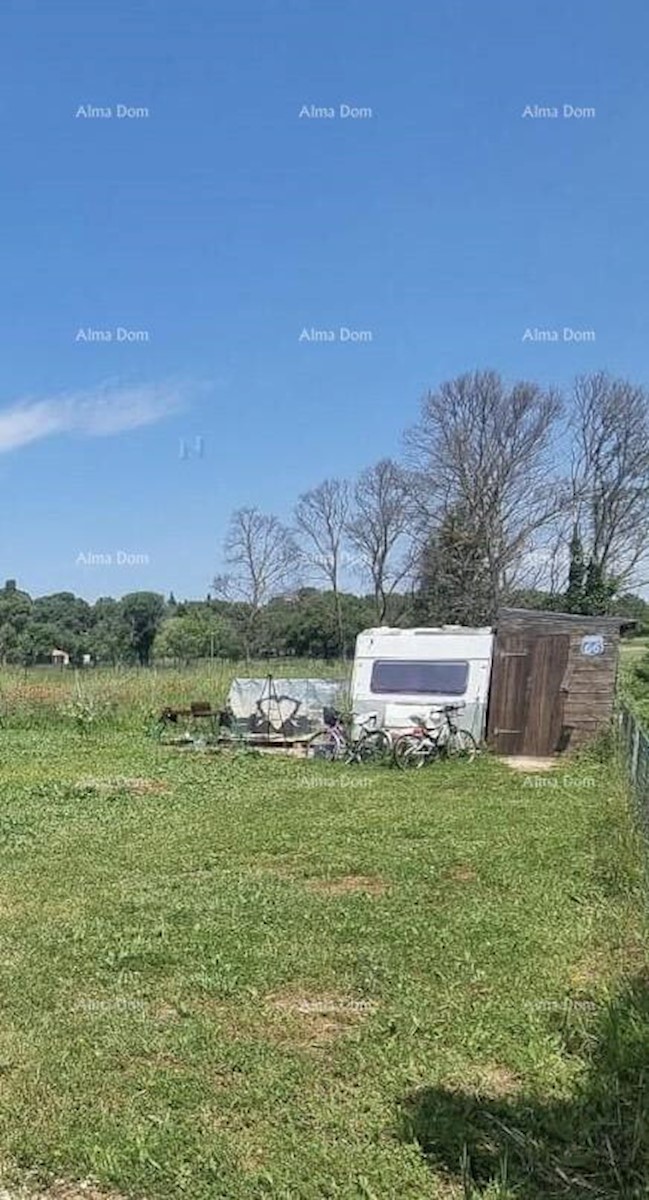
(435, 735)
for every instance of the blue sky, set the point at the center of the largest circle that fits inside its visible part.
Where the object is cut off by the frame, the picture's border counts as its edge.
(222, 224)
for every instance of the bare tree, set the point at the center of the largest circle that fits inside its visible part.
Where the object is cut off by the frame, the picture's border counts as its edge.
(321, 517)
(485, 449)
(610, 424)
(261, 556)
(378, 529)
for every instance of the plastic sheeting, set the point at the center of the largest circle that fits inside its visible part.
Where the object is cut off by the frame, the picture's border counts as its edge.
(283, 708)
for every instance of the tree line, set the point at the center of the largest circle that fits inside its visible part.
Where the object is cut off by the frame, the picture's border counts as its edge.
(503, 494)
(502, 491)
(144, 627)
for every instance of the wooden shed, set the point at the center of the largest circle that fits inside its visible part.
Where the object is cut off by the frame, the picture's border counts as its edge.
(553, 680)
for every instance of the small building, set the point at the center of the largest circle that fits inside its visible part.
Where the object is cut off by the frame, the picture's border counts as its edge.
(553, 680)
(60, 658)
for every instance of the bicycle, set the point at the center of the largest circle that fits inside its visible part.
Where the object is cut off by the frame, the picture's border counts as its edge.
(334, 744)
(373, 744)
(437, 739)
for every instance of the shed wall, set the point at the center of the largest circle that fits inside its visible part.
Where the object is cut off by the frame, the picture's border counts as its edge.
(587, 690)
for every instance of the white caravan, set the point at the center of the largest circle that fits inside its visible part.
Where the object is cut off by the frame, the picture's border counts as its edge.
(402, 672)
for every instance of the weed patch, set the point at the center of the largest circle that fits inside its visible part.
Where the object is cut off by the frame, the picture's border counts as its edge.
(318, 1019)
(347, 885)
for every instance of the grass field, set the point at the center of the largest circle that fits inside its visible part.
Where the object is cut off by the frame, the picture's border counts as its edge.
(123, 696)
(242, 977)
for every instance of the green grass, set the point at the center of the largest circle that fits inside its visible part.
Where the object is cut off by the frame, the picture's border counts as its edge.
(634, 676)
(634, 648)
(245, 977)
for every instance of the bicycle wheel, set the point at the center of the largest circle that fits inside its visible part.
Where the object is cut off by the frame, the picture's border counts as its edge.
(371, 747)
(460, 744)
(325, 744)
(411, 751)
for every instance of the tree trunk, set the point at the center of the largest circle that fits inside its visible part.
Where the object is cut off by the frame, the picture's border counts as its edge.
(342, 648)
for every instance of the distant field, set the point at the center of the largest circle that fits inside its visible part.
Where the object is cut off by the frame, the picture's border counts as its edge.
(123, 695)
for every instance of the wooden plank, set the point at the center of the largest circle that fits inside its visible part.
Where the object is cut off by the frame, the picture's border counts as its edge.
(508, 695)
(582, 694)
(545, 710)
(524, 619)
(584, 705)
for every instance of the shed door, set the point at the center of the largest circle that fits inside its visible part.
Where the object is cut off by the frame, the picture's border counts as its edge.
(526, 701)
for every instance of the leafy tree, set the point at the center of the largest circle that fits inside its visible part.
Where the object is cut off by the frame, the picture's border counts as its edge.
(108, 640)
(15, 606)
(36, 643)
(198, 634)
(63, 610)
(8, 642)
(69, 617)
(635, 608)
(538, 599)
(307, 624)
(142, 613)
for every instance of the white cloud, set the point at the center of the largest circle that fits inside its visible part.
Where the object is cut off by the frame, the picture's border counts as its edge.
(98, 412)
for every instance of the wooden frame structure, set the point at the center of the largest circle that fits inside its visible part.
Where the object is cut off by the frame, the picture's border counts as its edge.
(553, 682)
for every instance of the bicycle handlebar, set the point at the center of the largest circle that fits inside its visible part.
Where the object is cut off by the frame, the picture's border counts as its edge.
(367, 719)
(437, 710)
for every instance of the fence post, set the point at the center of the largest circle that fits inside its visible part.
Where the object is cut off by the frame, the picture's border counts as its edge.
(635, 749)
(635, 752)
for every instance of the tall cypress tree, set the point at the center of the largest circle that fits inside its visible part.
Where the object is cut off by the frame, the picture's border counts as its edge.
(599, 590)
(574, 595)
(455, 584)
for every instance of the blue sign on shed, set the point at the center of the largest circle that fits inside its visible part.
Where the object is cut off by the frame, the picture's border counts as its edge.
(592, 645)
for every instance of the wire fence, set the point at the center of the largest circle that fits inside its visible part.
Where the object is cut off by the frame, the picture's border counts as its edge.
(634, 742)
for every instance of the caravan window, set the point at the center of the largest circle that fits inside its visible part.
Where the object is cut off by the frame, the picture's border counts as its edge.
(413, 678)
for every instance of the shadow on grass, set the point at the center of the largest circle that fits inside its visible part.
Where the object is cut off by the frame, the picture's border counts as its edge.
(594, 1145)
